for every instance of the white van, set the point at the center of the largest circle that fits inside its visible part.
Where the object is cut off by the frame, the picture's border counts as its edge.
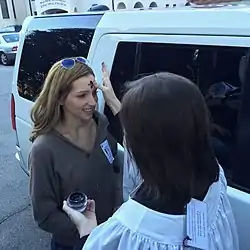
(207, 45)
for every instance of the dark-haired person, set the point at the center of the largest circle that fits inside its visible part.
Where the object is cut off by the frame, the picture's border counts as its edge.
(182, 200)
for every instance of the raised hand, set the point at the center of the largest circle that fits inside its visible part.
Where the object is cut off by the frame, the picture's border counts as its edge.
(108, 91)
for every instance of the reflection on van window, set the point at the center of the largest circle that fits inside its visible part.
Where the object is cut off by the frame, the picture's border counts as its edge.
(217, 70)
(11, 38)
(42, 49)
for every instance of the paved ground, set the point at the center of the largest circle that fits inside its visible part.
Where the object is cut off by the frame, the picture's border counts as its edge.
(17, 229)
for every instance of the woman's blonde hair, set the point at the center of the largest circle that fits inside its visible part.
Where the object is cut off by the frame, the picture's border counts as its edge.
(47, 112)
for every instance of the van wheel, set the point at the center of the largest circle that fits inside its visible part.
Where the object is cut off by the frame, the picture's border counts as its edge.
(4, 59)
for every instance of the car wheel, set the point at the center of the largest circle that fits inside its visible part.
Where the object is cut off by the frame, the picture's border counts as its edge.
(4, 59)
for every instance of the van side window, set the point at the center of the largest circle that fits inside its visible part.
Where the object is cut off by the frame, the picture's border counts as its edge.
(123, 66)
(44, 46)
(219, 73)
(122, 70)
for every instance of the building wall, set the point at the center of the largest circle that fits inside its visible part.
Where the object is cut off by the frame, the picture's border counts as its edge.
(11, 19)
(129, 4)
(18, 11)
(47, 6)
(84, 5)
(24, 8)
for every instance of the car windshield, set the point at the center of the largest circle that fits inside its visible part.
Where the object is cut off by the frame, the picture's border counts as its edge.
(11, 38)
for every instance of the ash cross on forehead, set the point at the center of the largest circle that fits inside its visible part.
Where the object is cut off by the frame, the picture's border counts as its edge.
(91, 84)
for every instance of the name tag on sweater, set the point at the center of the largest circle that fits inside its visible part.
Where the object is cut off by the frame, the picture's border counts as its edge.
(197, 228)
(107, 151)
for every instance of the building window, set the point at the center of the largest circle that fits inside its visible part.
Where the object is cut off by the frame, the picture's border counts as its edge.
(153, 5)
(4, 8)
(138, 5)
(121, 6)
(54, 11)
(13, 7)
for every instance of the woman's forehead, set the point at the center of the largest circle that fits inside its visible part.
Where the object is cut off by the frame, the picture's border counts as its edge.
(84, 83)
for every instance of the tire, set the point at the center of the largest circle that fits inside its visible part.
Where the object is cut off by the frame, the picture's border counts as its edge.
(4, 59)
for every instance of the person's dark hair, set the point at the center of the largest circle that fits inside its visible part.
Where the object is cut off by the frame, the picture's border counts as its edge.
(167, 132)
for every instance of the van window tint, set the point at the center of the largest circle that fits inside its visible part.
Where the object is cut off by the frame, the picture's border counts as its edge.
(49, 40)
(219, 73)
(122, 71)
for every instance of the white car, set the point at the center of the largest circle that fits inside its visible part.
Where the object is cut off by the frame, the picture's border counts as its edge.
(8, 47)
(210, 46)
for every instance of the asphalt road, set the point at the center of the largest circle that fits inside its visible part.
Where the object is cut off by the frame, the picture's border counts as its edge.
(17, 228)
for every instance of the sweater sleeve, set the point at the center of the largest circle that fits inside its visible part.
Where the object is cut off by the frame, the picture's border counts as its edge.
(46, 205)
(115, 128)
(81, 243)
(118, 190)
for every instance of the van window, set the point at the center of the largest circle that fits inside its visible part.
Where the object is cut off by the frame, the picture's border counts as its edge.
(123, 70)
(219, 73)
(49, 40)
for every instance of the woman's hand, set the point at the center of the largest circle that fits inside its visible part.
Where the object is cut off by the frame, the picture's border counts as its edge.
(108, 91)
(85, 222)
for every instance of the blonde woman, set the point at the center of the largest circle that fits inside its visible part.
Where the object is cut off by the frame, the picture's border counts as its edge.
(68, 151)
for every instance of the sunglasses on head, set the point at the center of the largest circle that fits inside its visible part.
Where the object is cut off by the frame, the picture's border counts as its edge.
(69, 63)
